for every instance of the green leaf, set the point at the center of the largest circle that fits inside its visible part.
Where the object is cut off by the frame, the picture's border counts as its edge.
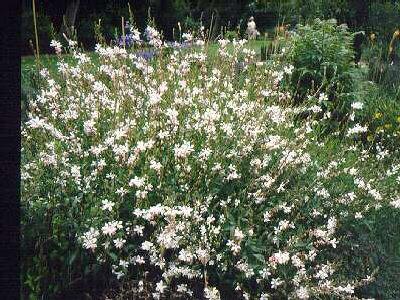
(72, 258)
(259, 257)
(113, 256)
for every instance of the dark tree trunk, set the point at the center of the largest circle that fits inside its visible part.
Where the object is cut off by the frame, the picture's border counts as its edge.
(70, 17)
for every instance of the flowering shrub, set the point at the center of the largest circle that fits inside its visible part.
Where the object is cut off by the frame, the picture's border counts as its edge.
(191, 178)
(132, 36)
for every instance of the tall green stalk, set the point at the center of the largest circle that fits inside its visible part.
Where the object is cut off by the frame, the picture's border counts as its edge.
(35, 28)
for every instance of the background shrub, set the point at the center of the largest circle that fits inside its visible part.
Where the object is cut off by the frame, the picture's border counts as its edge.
(44, 28)
(322, 56)
(384, 18)
(383, 57)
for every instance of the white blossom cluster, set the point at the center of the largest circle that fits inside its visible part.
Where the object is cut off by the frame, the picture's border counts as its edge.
(185, 166)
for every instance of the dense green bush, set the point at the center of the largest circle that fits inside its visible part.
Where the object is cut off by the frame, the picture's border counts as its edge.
(383, 57)
(322, 56)
(384, 18)
(293, 11)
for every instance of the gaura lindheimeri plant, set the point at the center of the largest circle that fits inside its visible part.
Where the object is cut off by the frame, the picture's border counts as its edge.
(188, 174)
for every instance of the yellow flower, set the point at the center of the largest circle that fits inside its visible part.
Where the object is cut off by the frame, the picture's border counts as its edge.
(396, 33)
(398, 119)
(388, 125)
(377, 115)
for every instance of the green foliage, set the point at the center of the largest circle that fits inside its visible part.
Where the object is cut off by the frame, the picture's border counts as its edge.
(181, 9)
(381, 114)
(384, 18)
(384, 65)
(322, 56)
(303, 10)
(191, 25)
(322, 9)
(263, 53)
(29, 88)
(44, 29)
(52, 259)
(381, 245)
(231, 35)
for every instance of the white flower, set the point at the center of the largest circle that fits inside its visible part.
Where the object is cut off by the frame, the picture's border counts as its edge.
(288, 69)
(146, 245)
(56, 45)
(119, 243)
(137, 182)
(182, 288)
(280, 258)
(155, 165)
(123, 263)
(88, 127)
(348, 289)
(357, 129)
(154, 98)
(72, 43)
(138, 230)
(267, 217)
(238, 234)
(89, 239)
(185, 256)
(265, 273)
(187, 37)
(160, 286)
(183, 150)
(205, 154)
(315, 109)
(276, 282)
(135, 35)
(234, 246)
(121, 191)
(322, 97)
(357, 105)
(200, 43)
(211, 293)
(203, 256)
(153, 36)
(395, 203)
(265, 296)
(35, 123)
(107, 205)
(138, 259)
(302, 293)
(110, 228)
(233, 174)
